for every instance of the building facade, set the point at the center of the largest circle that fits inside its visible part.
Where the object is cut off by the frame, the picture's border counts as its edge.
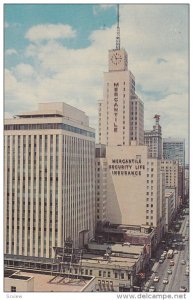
(174, 149)
(49, 180)
(121, 112)
(171, 170)
(129, 188)
(170, 207)
(126, 177)
(100, 183)
(153, 140)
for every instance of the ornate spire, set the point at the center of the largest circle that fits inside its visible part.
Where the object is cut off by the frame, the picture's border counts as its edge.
(118, 40)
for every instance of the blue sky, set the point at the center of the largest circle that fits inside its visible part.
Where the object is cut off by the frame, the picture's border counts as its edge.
(59, 53)
(85, 18)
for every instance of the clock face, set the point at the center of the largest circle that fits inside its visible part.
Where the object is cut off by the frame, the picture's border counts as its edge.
(116, 58)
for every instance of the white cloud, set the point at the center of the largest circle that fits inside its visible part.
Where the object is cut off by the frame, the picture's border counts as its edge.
(11, 51)
(24, 70)
(101, 7)
(50, 32)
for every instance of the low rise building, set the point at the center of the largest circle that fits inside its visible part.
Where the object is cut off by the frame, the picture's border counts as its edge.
(114, 266)
(38, 281)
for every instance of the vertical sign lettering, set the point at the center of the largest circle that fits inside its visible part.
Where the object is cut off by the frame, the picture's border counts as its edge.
(116, 85)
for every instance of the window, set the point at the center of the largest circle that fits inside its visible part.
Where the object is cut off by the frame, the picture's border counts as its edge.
(122, 275)
(99, 273)
(13, 288)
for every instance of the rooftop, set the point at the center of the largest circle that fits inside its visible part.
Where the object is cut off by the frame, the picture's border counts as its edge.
(121, 248)
(54, 283)
(116, 261)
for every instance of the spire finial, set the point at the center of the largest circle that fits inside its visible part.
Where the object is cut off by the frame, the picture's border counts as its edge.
(118, 41)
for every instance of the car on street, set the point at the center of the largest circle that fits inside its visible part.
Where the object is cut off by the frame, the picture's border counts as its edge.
(161, 261)
(171, 263)
(156, 279)
(165, 281)
(175, 251)
(169, 271)
(152, 288)
(183, 262)
(183, 289)
(187, 271)
(186, 238)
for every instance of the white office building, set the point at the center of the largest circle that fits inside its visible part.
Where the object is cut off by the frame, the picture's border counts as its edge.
(49, 180)
(129, 187)
(121, 112)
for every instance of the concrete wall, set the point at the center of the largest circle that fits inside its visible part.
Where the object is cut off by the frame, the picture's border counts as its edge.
(126, 194)
(21, 285)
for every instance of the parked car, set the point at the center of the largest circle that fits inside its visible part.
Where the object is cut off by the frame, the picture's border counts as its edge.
(183, 262)
(183, 289)
(156, 279)
(175, 251)
(165, 281)
(169, 271)
(152, 288)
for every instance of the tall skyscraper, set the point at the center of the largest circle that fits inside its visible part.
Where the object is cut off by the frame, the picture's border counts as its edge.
(153, 140)
(49, 180)
(121, 112)
(130, 182)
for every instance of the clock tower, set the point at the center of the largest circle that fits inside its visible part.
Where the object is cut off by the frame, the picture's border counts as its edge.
(118, 60)
(121, 110)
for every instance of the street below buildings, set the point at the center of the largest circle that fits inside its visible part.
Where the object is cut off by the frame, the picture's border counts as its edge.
(177, 278)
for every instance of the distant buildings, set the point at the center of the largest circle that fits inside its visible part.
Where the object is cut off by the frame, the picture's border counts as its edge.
(153, 140)
(171, 170)
(174, 149)
(49, 181)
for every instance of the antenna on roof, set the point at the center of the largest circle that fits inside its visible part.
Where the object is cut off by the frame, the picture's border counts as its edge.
(118, 40)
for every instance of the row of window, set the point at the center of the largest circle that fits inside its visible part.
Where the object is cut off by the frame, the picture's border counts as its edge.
(49, 126)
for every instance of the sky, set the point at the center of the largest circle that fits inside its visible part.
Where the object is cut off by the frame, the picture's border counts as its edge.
(59, 52)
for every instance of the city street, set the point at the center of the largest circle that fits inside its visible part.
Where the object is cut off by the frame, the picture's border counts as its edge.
(178, 277)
